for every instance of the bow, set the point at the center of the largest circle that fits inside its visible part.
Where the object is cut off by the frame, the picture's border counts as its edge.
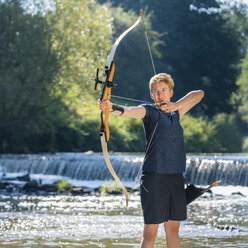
(106, 95)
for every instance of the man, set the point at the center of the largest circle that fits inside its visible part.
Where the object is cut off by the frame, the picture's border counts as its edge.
(162, 184)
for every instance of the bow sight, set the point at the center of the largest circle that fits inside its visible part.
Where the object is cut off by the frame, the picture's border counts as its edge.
(107, 83)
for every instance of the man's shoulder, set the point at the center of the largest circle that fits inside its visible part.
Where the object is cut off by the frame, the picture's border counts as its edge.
(151, 110)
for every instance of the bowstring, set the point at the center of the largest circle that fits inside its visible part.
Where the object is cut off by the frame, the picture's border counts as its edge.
(148, 44)
(150, 140)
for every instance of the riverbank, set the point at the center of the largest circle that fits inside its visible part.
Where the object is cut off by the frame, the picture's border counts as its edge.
(21, 185)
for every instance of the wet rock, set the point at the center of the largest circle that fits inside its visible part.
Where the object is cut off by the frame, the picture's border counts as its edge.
(115, 192)
(237, 193)
(24, 178)
(49, 187)
(4, 185)
(10, 189)
(226, 227)
(80, 191)
(31, 186)
(97, 189)
(77, 191)
(89, 152)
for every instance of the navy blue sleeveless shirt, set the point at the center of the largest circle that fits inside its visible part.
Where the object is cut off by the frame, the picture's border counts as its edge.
(166, 152)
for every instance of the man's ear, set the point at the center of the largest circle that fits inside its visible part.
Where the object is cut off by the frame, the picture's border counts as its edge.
(151, 95)
(172, 92)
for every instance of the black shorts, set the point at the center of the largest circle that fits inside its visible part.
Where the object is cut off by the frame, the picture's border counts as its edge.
(163, 197)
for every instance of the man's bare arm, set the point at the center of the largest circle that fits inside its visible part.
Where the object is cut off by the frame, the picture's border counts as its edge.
(137, 112)
(189, 101)
(184, 104)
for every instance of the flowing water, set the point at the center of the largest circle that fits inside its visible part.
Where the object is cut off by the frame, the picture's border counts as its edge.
(219, 219)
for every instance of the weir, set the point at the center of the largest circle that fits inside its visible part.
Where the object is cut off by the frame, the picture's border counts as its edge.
(201, 170)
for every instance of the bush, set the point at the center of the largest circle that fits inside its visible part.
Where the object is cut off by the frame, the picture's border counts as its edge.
(110, 187)
(245, 145)
(219, 134)
(63, 185)
(228, 132)
(199, 135)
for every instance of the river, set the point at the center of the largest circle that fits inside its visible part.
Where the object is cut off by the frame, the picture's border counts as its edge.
(217, 219)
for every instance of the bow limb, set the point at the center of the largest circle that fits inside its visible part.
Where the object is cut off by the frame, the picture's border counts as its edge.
(110, 167)
(117, 42)
(104, 131)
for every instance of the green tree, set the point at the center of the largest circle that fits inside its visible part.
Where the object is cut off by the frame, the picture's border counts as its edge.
(241, 97)
(27, 68)
(202, 53)
(240, 101)
(202, 46)
(133, 63)
(228, 132)
(47, 62)
(80, 32)
(199, 135)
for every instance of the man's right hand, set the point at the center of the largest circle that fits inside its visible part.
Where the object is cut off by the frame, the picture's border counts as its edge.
(104, 104)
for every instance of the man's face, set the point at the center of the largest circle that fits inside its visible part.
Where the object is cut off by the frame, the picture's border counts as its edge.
(161, 92)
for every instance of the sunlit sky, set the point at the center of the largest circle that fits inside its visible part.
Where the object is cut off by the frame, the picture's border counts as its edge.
(49, 4)
(232, 1)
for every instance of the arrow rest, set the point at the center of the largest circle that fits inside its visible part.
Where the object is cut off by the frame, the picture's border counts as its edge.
(107, 83)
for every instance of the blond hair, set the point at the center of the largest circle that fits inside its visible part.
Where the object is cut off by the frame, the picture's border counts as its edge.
(162, 77)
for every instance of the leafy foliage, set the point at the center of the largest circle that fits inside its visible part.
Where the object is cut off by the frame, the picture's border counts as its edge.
(133, 63)
(228, 132)
(241, 97)
(48, 59)
(199, 135)
(46, 66)
(200, 43)
(81, 42)
(63, 185)
(109, 187)
(27, 108)
(220, 134)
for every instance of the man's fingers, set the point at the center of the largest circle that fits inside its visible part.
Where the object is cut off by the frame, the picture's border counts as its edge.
(102, 104)
(163, 103)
